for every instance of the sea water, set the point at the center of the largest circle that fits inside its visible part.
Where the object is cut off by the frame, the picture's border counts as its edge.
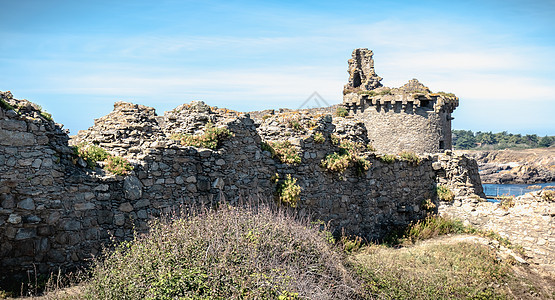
(492, 190)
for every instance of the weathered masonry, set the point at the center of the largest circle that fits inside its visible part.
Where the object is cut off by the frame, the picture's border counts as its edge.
(407, 118)
(55, 211)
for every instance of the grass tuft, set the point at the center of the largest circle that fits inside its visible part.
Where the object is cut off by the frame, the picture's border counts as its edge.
(411, 157)
(444, 193)
(341, 112)
(211, 138)
(284, 151)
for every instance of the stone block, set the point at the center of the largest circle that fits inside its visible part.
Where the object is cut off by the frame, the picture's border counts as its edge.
(126, 207)
(14, 219)
(16, 138)
(31, 219)
(84, 206)
(14, 125)
(53, 218)
(71, 225)
(119, 219)
(25, 233)
(133, 188)
(142, 214)
(8, 201)
(27, 204)
(141, 203)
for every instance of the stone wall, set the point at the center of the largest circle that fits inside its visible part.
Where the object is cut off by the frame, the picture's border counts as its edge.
(56, 212)
(530, 223)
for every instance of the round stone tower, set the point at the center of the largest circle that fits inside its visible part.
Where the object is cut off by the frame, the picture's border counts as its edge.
(410, 117)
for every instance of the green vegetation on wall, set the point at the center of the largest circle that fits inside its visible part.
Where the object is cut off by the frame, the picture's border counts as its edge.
(92, 154)
(211, 138)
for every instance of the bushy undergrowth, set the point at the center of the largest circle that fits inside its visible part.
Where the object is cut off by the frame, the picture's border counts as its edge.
(444, 193)
(319, 138)
(44, 114)
(341, 112)
(506, 202)
(118, 165)
(210, 139)
(434, 225)
(284, 151)
(348, 154)
(5, 105)
(336, 162)
(411, 157)
(229, 253)
(92, 154)
(548, 195)
(387, 158)
(288, 191)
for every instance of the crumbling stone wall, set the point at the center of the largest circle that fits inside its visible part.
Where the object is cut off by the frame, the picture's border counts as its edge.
(407, 118)
(56, 212)
(530, 223)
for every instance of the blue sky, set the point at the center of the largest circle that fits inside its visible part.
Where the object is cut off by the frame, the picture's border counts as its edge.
(76, 58)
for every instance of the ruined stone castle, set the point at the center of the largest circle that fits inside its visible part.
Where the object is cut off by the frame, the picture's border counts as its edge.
(56, 210)
(407, 118)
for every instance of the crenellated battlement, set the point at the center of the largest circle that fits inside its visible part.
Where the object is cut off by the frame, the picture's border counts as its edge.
(410, 117)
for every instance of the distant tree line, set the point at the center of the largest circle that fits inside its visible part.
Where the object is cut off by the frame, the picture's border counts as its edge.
(466, 139)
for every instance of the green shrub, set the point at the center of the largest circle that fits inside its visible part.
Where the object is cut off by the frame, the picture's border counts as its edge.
(229, 253)
(428, 205)
(411, 157)
(432, 226)
(444, 193)
(348, 153)
(385, 91)
(341, 112)
(369, 93)
(295, 124)
(265, 146)
(388, 158)
(289, 192)
(90, 153)
(118, 165)
(319, 138)
(370, 148)
(265, 117)
(361, 165)
(5, 105)
(448, 95)
(506, 202)
(351, 243)
(44, 114)
(210, 139)
(346, 146)
(336, 162)
(335, 139)
(285, 152)
(548, 195)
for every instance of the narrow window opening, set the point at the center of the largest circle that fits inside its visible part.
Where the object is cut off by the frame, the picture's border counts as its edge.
(441, 145)
(356, 80)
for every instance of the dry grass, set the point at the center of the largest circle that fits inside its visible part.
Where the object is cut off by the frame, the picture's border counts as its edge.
(250, 253)
(267, 253)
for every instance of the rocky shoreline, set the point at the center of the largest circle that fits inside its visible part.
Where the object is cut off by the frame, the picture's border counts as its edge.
(527, 166)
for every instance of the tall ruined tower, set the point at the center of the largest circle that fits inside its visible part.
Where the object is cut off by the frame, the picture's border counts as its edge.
(361, 71)
(410, 117)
